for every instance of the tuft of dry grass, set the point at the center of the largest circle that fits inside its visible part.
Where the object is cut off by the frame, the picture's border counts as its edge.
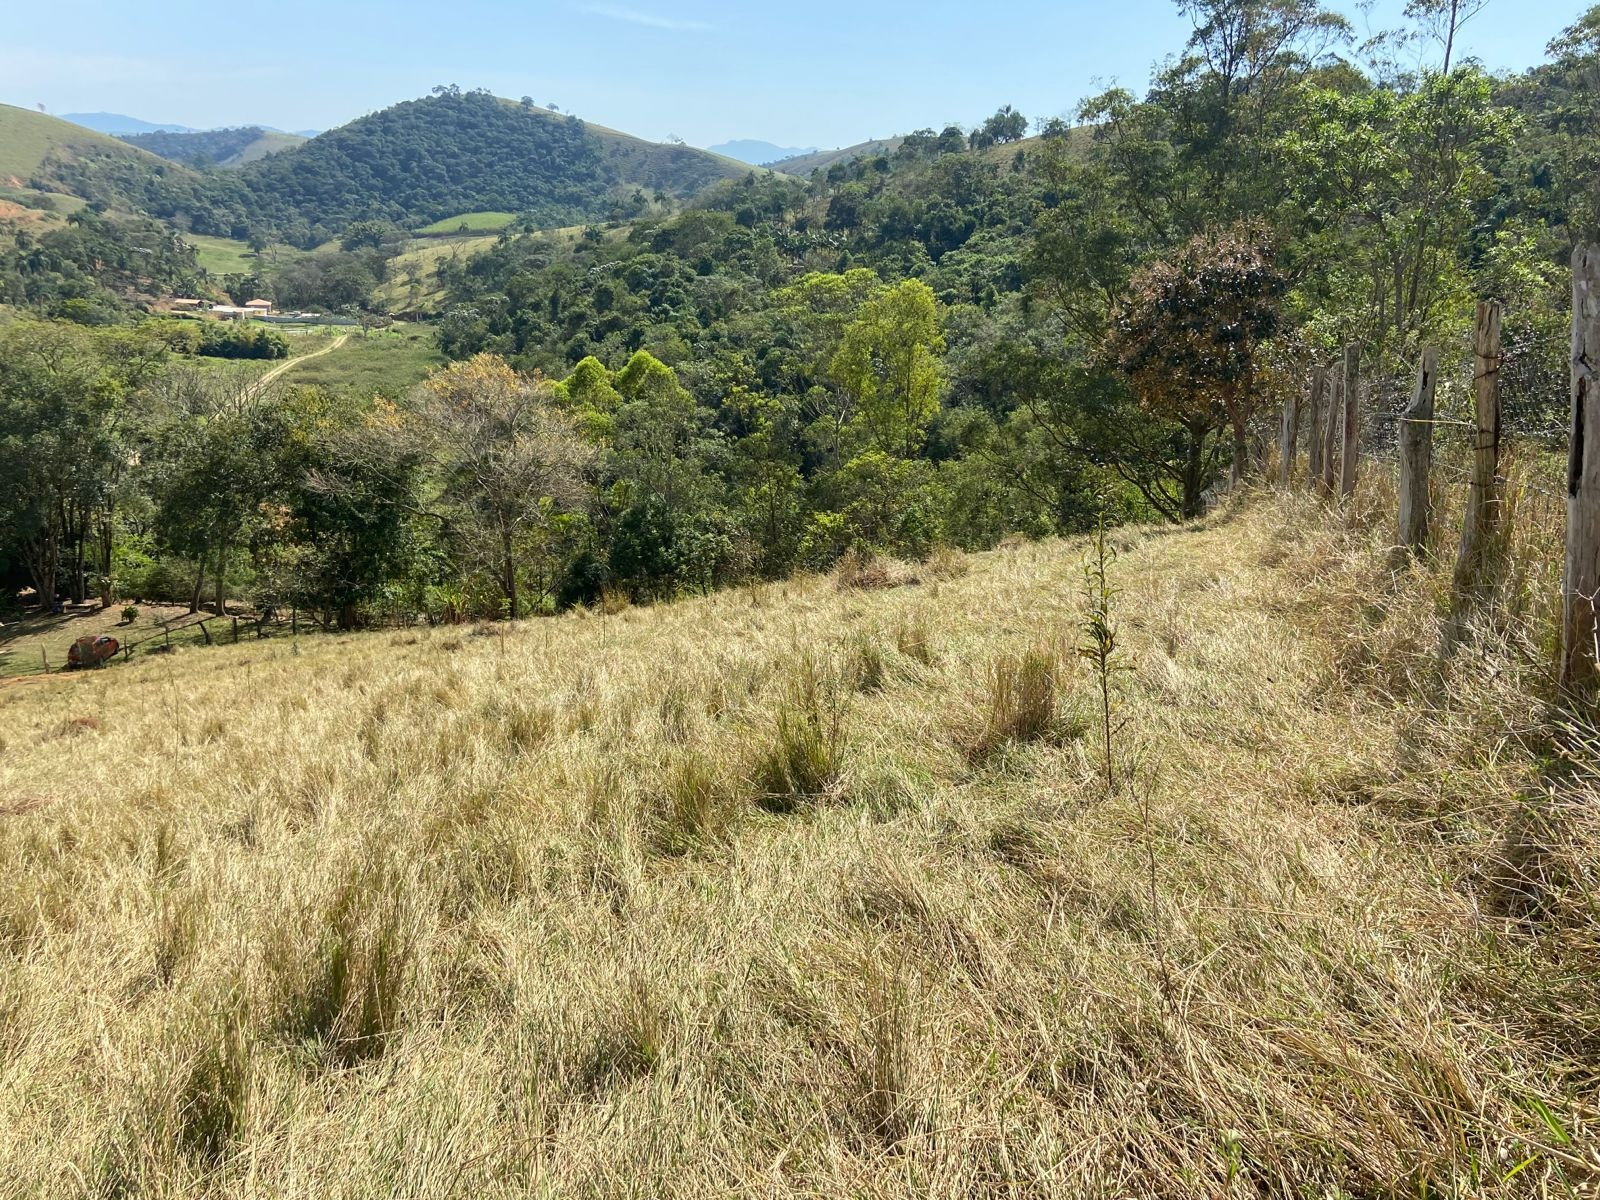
(537, 914)
(1022, 701)
(805, 758)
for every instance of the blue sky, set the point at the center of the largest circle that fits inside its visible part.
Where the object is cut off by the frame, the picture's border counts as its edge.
(825, 72)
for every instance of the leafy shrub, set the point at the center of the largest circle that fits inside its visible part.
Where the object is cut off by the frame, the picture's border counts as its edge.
(235, 340)
(130, 614)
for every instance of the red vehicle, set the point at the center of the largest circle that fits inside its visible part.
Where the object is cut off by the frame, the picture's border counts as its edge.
(92, 651)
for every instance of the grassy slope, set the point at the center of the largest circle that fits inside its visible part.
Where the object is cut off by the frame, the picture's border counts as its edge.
(267, 143)
(26, 138)
(29, 645)
(803, 165)
(594, 967)
(475, 222)
(223, 256)
(421, 258)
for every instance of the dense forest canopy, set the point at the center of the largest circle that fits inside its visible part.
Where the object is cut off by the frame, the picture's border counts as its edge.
(973, 334)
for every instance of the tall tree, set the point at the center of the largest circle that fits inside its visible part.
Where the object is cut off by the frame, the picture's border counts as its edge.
(888, 363)
(1189, 336)
(509, 455)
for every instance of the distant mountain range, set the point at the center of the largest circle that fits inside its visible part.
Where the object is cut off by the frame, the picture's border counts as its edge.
(119, 123)
(758, 153)
(115, 123)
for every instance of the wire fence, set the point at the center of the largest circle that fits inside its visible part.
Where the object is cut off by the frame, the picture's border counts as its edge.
(49, 656)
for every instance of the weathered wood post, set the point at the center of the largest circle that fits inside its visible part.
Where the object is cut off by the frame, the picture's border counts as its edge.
(1416, 455)
(1482, 520)
(1331, 434)
(1286, 438)
(1314, 447)
(1287, 429)
(1352, 422)
(1581, 583)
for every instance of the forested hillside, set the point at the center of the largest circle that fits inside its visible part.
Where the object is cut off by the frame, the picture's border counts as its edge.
(457, 152)
(410, 164)
(214, 147)
(89, 267)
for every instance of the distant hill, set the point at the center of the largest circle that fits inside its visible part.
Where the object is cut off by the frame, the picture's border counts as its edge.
(47, 154)
(818, 160)
(115, 123)
(759, 153)
(214, 147)
(414, 163)
(423, 160)
(34, 148)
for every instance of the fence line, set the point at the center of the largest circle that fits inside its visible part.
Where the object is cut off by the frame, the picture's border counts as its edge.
(1332, 435)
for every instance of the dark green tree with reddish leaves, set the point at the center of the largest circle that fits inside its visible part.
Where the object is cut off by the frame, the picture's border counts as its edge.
(1189, 335)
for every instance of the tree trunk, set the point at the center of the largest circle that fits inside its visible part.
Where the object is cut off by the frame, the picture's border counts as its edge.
(44, 566)
(1194, 473)
(1416, 456)
(1287, 432)
(1314, 440)
(508, 569)
(199, 585)
(1474, 562)
(107, 591)
(222, 580)
(1241, 452)
(1581, 585)
(1352, 422)
(1331, 432)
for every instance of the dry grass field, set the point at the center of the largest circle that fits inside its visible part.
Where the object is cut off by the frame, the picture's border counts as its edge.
(812, 889)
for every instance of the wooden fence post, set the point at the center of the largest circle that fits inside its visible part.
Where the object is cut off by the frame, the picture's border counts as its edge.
(1581, 583)
(1319, 380)
(1287, 432)
(1331, 434)
(1416, 455)
(1482, 518)
(1352, 422)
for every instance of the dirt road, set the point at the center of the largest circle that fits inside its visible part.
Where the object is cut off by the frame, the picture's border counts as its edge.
(294, 362)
